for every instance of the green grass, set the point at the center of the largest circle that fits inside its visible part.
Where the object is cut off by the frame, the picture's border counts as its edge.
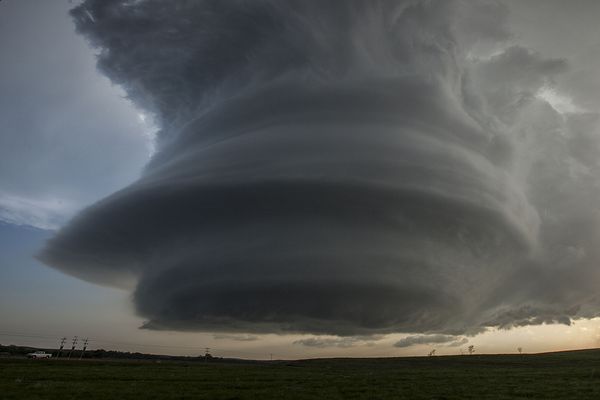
(569, 375)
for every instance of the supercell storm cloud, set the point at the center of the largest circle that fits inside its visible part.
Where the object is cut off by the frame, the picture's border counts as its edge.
(336, 167)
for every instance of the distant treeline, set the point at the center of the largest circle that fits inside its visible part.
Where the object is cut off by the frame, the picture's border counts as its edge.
(18, 351)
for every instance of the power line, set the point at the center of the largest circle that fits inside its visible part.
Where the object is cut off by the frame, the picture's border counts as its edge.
(99, 340)
(29, 336)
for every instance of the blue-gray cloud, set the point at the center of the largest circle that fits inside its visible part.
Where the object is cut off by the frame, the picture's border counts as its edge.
(340, 168)
(237, 338)
(445, 340)
(343, 342)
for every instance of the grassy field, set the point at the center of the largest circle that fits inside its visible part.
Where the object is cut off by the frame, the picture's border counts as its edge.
(568, 375)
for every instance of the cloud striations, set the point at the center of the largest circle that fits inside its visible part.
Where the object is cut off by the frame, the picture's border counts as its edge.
(347, 168)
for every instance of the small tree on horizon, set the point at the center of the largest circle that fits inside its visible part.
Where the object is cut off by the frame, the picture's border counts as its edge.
(471, 349)
(520, 350)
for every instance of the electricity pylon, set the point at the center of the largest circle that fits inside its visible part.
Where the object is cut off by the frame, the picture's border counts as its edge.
(62, 345)
(85, 342)
(73, 348)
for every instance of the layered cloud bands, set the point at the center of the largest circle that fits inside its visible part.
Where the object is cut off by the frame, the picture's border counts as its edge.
(330, 167)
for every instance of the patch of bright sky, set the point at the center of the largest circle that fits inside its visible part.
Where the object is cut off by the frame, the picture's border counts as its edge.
(40, 213)
(68, 136)
(560, 102)
(149, 131)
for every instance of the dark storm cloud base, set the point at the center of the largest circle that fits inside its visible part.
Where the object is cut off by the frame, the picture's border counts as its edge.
(326, 167)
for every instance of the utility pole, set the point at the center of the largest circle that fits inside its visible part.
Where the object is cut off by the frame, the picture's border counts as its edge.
(85, 342)
(62, 345)
(73, 348)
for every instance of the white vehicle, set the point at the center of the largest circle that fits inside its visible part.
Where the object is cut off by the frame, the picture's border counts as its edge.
(39, 354)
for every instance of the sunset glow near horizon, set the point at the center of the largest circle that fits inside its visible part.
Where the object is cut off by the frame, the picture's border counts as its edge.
(300, 179)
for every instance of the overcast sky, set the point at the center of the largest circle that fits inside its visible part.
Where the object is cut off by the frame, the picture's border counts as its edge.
(300, 178)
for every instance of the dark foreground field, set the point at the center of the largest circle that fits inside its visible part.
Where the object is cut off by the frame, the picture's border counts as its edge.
(569, 375)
